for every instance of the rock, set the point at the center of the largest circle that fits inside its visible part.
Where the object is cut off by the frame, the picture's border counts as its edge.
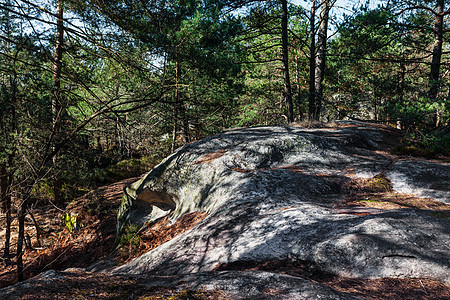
(256, 285)
(18, 290)
(425, 179)
(270, 194)
(200, 175)
(71, 284)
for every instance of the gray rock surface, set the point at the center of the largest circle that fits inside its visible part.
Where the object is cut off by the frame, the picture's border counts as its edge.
(270, 194)
(422, 178)
(232, 284)
(258, 285)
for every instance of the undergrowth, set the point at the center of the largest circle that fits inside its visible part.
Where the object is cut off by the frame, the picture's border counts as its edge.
(424, 144)
(129, 242)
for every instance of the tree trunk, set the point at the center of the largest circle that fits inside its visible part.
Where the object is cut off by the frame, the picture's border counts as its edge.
(174, 130)
(176, 106)
(6, 176)
(5, 199)
(56, 99)
(20, 240)
(287, 81)
(3, 187)
(57, 66)
(8, 224)
(182, 115)
(321, 57)
(437, 50)
(38, 229)
(312, 65)
(298, 89)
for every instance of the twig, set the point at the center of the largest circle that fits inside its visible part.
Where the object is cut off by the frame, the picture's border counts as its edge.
(424, 289)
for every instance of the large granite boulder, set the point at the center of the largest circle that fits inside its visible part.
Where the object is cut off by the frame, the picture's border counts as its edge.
(271, 192)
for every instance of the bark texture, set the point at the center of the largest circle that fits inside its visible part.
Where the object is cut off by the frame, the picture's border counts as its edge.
(321, 56)
(437, 49)
(312, 111)
(285, 47)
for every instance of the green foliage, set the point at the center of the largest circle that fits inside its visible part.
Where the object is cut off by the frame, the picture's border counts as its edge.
(43, 190)
(370, 200)
(129, 242)
(70, 221)
(428, 145)
(129, 236)
(438, 142)
(412, 151)
(419, 112)
(368, 32)
(133, 167)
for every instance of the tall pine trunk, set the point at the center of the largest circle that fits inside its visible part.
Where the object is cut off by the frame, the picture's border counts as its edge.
(312, 111)
(321, 57)
(5, 199)
(285, 58)
(177, 106)
(437, 50)
(433, 93)
(6, 168)
(56, 99)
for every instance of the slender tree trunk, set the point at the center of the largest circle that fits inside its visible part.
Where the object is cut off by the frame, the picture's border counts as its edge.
(182, 115)
(174, 130)
(180, 110)
(56, 100)
(20, 240)
(8, 224)
(57, 64)
(401, 84)
(437, 50)
(3, 187)
(285, 50)
(177, 106)
(312, 65)
(297, 89)
(5, 198)
(321, 56)
(7, 175)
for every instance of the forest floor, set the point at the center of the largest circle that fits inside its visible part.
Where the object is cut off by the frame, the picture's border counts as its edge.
(95, 239)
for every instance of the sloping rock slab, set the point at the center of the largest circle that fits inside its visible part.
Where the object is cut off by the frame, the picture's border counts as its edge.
(261, 285)
(223, 285)
(425, 179)
(270, 194)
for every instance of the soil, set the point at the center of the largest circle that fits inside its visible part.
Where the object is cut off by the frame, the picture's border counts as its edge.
(59, 248)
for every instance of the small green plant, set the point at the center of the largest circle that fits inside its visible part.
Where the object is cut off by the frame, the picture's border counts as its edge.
(94, 206)
(129, 236)
(369, 200)
(43, 190)
(129, 242)
(70, 221)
